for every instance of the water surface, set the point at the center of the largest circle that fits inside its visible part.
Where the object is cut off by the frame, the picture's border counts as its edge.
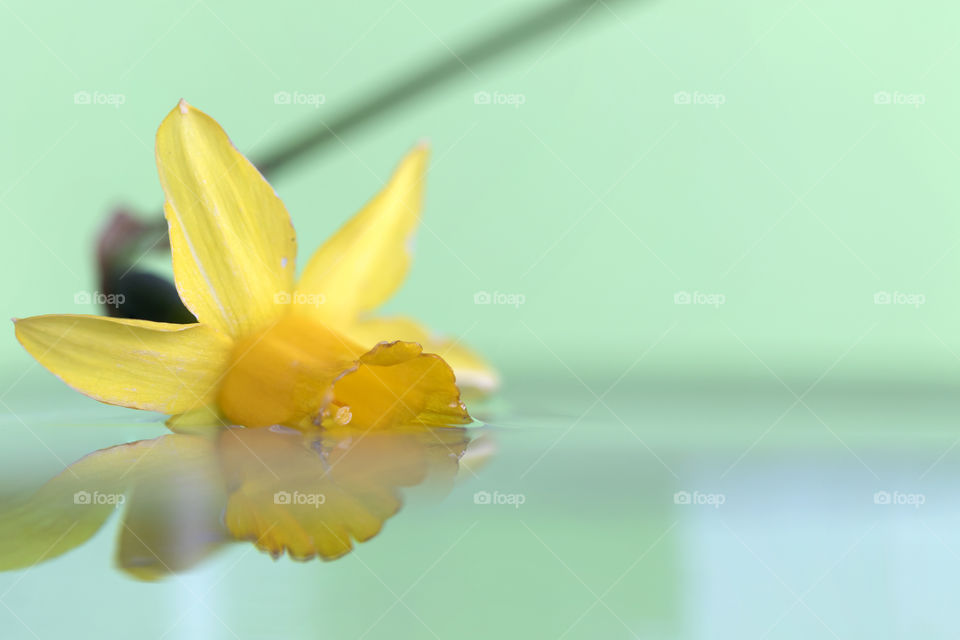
(662, 510)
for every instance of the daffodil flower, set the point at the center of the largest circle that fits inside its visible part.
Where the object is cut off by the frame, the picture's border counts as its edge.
(266, 349)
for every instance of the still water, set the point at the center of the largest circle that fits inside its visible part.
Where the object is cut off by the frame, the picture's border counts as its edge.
(659, 510)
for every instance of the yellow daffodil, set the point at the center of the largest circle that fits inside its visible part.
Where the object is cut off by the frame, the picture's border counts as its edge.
(266, 350)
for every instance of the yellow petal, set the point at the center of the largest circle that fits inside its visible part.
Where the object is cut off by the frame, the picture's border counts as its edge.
(170, 368)
(396, 384)
(473, 373)
(231, 239)
(362, 264)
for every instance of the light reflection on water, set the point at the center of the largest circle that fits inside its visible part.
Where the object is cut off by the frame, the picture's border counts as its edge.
(575, 529)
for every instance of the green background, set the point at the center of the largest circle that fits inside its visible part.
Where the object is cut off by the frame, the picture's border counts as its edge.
(598, 199)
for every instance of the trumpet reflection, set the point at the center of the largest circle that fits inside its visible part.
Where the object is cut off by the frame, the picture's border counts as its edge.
(184, 496)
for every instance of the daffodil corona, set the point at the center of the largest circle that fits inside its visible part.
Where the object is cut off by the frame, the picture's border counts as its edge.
(267, 349)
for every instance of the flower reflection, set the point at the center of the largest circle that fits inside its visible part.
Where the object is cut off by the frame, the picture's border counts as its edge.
(184, 496)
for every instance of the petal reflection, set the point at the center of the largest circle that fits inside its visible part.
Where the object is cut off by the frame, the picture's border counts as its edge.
(313, 496)
(185, 496)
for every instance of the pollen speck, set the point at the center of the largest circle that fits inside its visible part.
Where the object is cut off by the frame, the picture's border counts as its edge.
(343, 416)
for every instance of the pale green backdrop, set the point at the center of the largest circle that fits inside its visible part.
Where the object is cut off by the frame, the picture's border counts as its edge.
(782, 186)
(785, 161)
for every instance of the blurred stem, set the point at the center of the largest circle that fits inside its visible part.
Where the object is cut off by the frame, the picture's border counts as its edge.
(434, 73)
(497, 43)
